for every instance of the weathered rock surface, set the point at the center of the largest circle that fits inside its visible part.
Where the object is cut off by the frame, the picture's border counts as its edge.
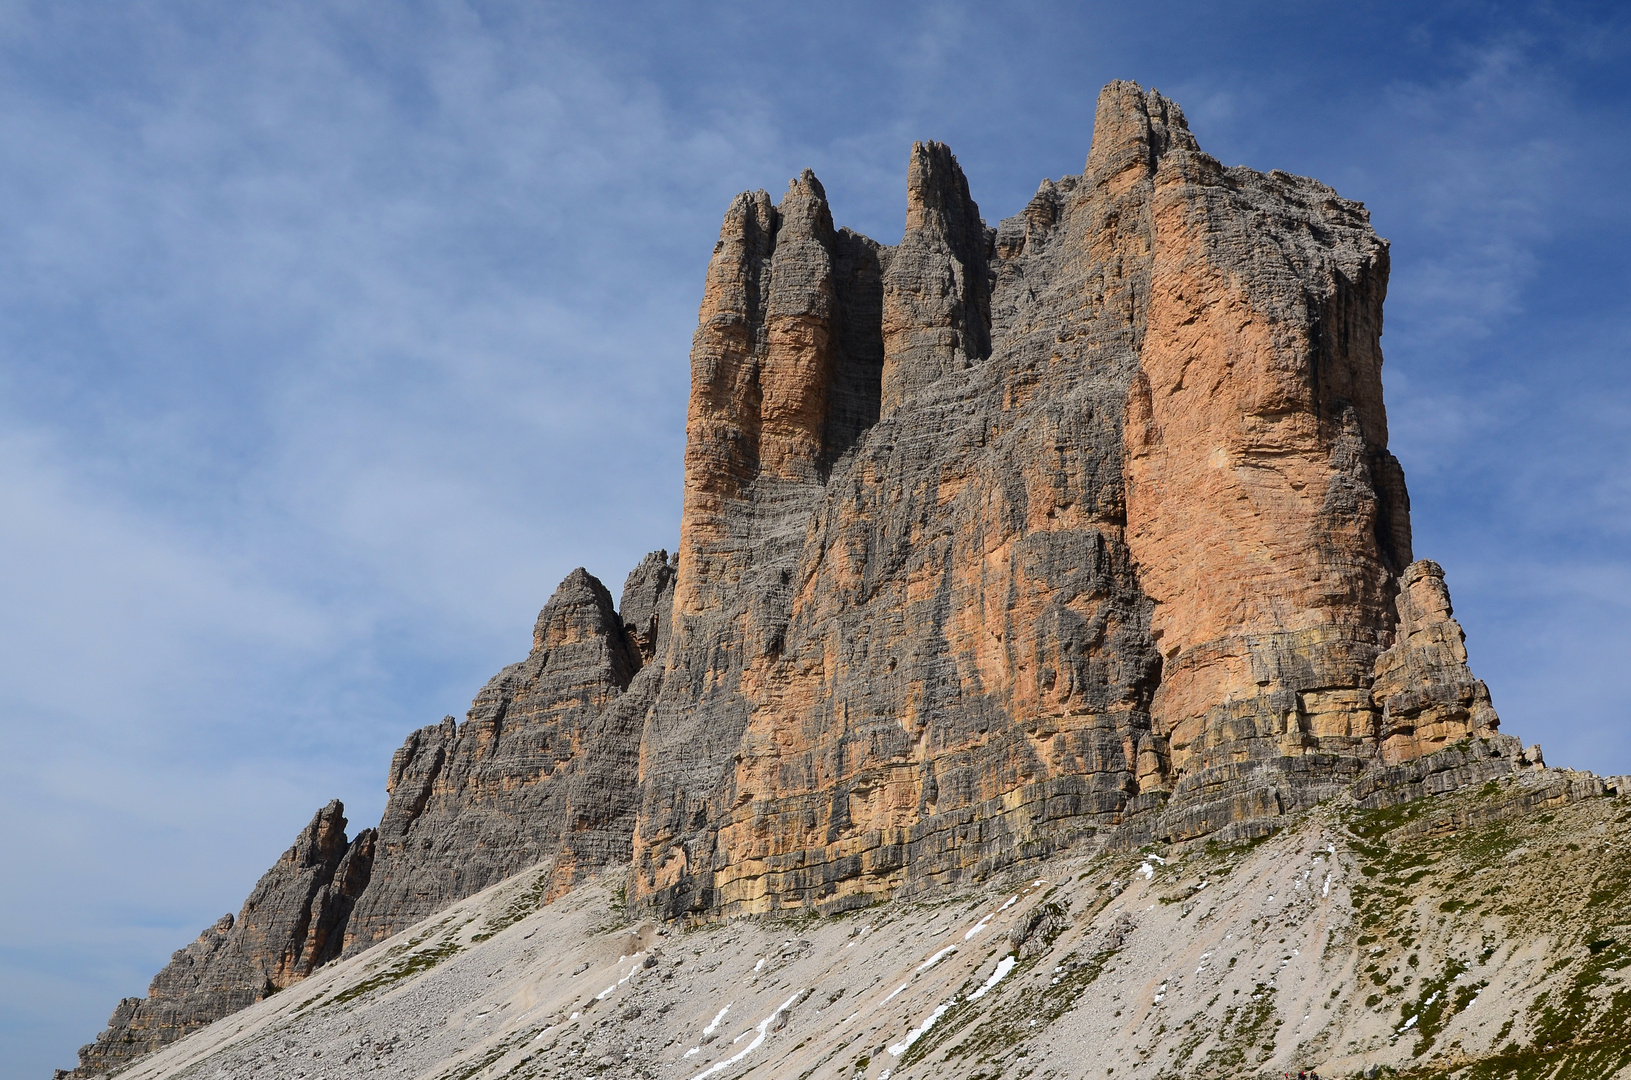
(472, 803)
(1119, 556)
(1424, 689)
(293, 921)
(1080, 532)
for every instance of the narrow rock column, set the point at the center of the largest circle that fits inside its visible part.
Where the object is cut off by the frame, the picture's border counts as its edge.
(722, 421)
(937, 289)
(798, 361)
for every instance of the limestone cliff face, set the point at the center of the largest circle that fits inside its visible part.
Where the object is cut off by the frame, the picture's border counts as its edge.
(1118, 559)
(1078, 531)
(292, 922)
(1264, 511)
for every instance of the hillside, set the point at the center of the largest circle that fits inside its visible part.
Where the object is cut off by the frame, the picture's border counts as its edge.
(1477, 934)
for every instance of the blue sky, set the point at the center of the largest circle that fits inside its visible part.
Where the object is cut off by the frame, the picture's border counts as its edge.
(333, 336)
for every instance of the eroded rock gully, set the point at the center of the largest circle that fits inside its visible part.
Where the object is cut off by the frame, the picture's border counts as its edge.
(1081, 530)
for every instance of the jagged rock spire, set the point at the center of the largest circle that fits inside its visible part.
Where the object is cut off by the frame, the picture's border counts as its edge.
(936, 291)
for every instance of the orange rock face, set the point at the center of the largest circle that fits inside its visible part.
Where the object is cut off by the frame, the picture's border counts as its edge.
(1266, 515)
(1426, 694)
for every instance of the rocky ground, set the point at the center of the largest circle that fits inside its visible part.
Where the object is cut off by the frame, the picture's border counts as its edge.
(1481, 934)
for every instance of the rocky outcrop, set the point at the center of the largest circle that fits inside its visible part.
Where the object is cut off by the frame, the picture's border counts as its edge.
(1266, 515)
(604, 796)
(936, 293)
(293, 921)
(472, 803)
(1427, 695)
(785, 375)
(1119, 556)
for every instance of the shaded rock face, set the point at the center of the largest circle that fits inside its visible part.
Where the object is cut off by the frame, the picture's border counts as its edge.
(293, 921)
(544, 766)
(472, 803)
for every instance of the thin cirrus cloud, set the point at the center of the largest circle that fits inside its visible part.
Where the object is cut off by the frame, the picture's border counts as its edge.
(333, 336)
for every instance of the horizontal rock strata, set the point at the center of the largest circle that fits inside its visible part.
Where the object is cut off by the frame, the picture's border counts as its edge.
(1121, 556)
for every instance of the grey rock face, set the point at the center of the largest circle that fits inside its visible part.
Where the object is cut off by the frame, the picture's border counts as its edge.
(936, 292)
(604, 795)
(293, 921)
(472, 803)
(786, 368)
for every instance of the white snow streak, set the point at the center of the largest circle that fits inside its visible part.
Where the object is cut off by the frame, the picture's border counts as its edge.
(758, 1040)
(713, 1025)
(981, 925)
(1004, 966)
(936, 958)
(604, 994)
(918, 1032)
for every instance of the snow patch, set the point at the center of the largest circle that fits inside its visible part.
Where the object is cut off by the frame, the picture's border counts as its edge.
(981, 925)
(918, 1032)
(713, 1025)
(758, 1040)
(604, 994)
(1004, 966)
(936, 958)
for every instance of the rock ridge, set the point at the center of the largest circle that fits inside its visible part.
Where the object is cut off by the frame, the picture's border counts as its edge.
(292, 923)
